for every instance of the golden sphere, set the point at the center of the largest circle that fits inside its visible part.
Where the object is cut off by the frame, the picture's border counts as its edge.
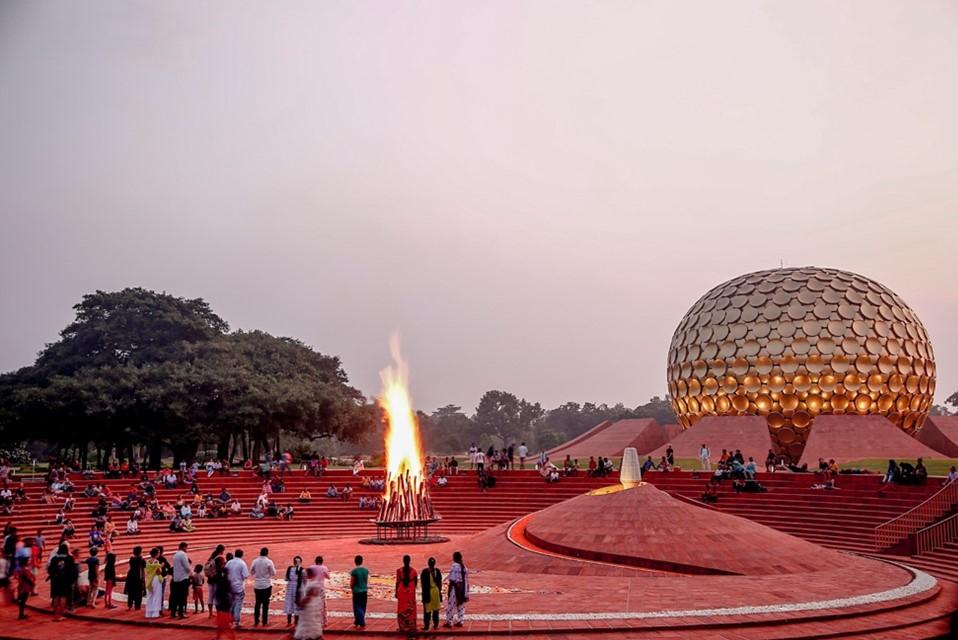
(801, 342)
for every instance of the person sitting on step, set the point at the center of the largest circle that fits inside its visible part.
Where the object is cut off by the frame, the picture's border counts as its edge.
(709, 495)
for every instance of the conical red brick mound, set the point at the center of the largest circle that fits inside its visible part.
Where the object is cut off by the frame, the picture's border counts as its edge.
(646, 527)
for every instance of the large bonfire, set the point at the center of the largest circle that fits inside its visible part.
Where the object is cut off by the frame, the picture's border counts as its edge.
(406, 499)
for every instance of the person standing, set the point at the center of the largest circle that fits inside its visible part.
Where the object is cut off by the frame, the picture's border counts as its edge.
(511, 456)
(210, 571)
(109, 580)
(480, 458)
(320, 576)
(670, 456)
(705, 456)
(473, 450)
(295, 582)
(180, 586)
(359, 585)
(406, 582)
(263, 570)
(312, 608)
(60, 570)
(135, 579)
(431, 595)
(523, 454)
(237, 572)
(167, 569)
(458, 594)
(26, 583)
(223, 598)
(92, 567)
(197, 580)
(154, 584)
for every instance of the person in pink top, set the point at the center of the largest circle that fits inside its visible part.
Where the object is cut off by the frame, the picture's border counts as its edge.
(319, 578)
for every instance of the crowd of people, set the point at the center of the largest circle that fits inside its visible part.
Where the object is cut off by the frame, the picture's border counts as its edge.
(906, 473)
(501, 459)
(170, 586)
(217, 586)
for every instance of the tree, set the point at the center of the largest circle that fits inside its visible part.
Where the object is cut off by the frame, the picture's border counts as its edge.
(138, 367)
(265, 385)
(658, 408)
(447, 430)
(504, 416)
(942, 410)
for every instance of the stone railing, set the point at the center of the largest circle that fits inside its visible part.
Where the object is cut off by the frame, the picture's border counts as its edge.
(890, 533)
(937, 535)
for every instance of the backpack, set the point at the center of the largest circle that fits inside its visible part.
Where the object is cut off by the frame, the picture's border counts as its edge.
(209, 569)
(57, 567)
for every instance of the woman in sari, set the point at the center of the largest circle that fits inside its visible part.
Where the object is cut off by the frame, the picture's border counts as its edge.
(154, 584)
(431, 595)
(458, 592)
(295, 581)
(406, 581)
(312, 608)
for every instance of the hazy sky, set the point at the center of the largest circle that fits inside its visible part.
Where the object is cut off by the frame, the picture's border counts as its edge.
(533, 193)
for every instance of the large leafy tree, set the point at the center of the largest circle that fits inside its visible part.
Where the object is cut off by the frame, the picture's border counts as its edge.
(139, 367)
(447, 429)
(265, 385)
(504, 416)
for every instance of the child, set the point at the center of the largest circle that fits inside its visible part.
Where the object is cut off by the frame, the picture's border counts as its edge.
(26, 583)
(82, 585)
(92, 566)
(197, 580)
(109, 580)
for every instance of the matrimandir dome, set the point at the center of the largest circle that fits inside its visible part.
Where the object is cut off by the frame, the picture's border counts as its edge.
(793, 343)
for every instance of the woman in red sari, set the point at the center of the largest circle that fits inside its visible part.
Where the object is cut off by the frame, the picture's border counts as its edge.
(406, 588)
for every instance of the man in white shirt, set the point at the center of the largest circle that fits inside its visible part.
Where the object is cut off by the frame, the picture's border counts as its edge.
(262, 571)
(237, 572)
(523, 454)
(180, 587)
(473, 449)
(705, 455)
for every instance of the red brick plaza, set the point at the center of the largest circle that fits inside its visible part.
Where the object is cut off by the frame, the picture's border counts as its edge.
(550, 560)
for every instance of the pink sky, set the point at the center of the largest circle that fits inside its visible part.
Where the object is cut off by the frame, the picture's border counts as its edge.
(533, 193)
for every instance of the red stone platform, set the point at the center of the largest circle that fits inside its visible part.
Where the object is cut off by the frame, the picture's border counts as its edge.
(847, 438)
(941, 434)
(610, 438)
(519, 589)
(748, 433)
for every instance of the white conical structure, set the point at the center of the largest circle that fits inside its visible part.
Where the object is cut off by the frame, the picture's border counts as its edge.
(630, 473)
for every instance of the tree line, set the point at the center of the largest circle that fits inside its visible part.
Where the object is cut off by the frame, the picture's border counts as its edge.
(502, 418)
(144, 375)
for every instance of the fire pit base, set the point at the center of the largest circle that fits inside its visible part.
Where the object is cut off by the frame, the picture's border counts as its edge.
(388, 541)
(406, 532)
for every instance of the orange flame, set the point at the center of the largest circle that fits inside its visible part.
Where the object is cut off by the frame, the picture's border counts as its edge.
(403, 448)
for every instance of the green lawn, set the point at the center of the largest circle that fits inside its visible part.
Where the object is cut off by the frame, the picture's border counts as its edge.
(935, 467)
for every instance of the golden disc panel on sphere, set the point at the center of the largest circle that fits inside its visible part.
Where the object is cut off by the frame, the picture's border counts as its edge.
(794, 343)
